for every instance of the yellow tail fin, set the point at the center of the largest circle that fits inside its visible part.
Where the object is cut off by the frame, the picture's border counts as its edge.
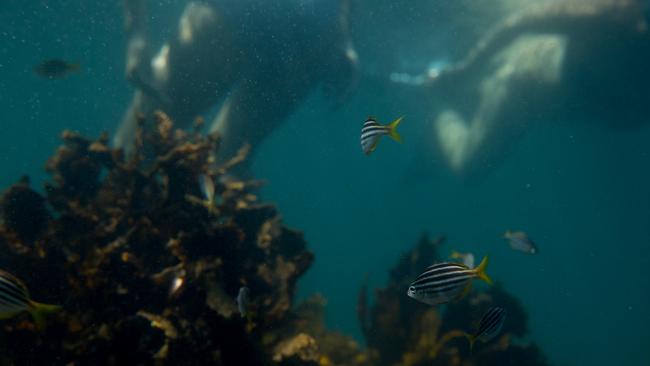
(39, 311)
(480, 271)
(392, 130)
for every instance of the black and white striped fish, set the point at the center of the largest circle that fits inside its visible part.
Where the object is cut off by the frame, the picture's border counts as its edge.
(372, 131)
(489, 326)
(14, 299)
(443, 282)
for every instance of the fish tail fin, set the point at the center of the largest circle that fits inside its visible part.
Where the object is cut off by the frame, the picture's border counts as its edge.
(75, 66)
(455, 254)
(39, 311)
(471, 339)
(480, 271)
(392, 130)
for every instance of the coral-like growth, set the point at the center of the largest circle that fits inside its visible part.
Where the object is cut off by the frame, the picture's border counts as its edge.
(401, 331)
(146, 271)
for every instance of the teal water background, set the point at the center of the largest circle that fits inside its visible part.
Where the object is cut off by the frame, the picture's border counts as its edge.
(579, 189)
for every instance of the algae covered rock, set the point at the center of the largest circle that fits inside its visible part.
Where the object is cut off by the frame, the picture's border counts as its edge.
(145, 272)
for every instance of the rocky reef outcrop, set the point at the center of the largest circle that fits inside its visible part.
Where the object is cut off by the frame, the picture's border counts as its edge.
(147, 271)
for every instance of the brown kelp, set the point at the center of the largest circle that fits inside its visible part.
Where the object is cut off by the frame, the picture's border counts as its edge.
(146, 274)
(401, 331)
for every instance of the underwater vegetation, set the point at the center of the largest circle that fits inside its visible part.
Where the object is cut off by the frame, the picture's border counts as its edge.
(401, 331)
(146, 272)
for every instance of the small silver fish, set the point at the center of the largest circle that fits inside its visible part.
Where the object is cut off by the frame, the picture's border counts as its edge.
(489, 327)
(520, 241)
(207, 187)
(467, 258)
(372, 131)
(447, 281)
(177, 283)
(206, 184)
(243, 301)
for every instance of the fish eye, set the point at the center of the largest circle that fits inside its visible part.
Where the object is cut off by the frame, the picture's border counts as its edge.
(412, 289)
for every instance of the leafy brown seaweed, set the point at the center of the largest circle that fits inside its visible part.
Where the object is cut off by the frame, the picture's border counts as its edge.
(144, 272)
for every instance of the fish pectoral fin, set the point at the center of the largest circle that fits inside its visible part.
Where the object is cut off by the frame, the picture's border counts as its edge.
(466, 291)
(373, 146)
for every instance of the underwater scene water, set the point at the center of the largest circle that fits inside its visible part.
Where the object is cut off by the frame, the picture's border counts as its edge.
(229, 182)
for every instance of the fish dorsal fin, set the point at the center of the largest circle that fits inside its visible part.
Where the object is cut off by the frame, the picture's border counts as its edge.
(439, 264)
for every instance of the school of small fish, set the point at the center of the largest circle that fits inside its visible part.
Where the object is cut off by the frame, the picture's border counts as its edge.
(444, 282)
(449, 281)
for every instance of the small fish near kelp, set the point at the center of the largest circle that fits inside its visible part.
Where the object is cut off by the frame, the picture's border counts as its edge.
(489, 326)
(55, 69)
(520, 241)
(207, 190)
(447, 281)
(14, 299)
(372, 131)
(206, 183)
(244, 307)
